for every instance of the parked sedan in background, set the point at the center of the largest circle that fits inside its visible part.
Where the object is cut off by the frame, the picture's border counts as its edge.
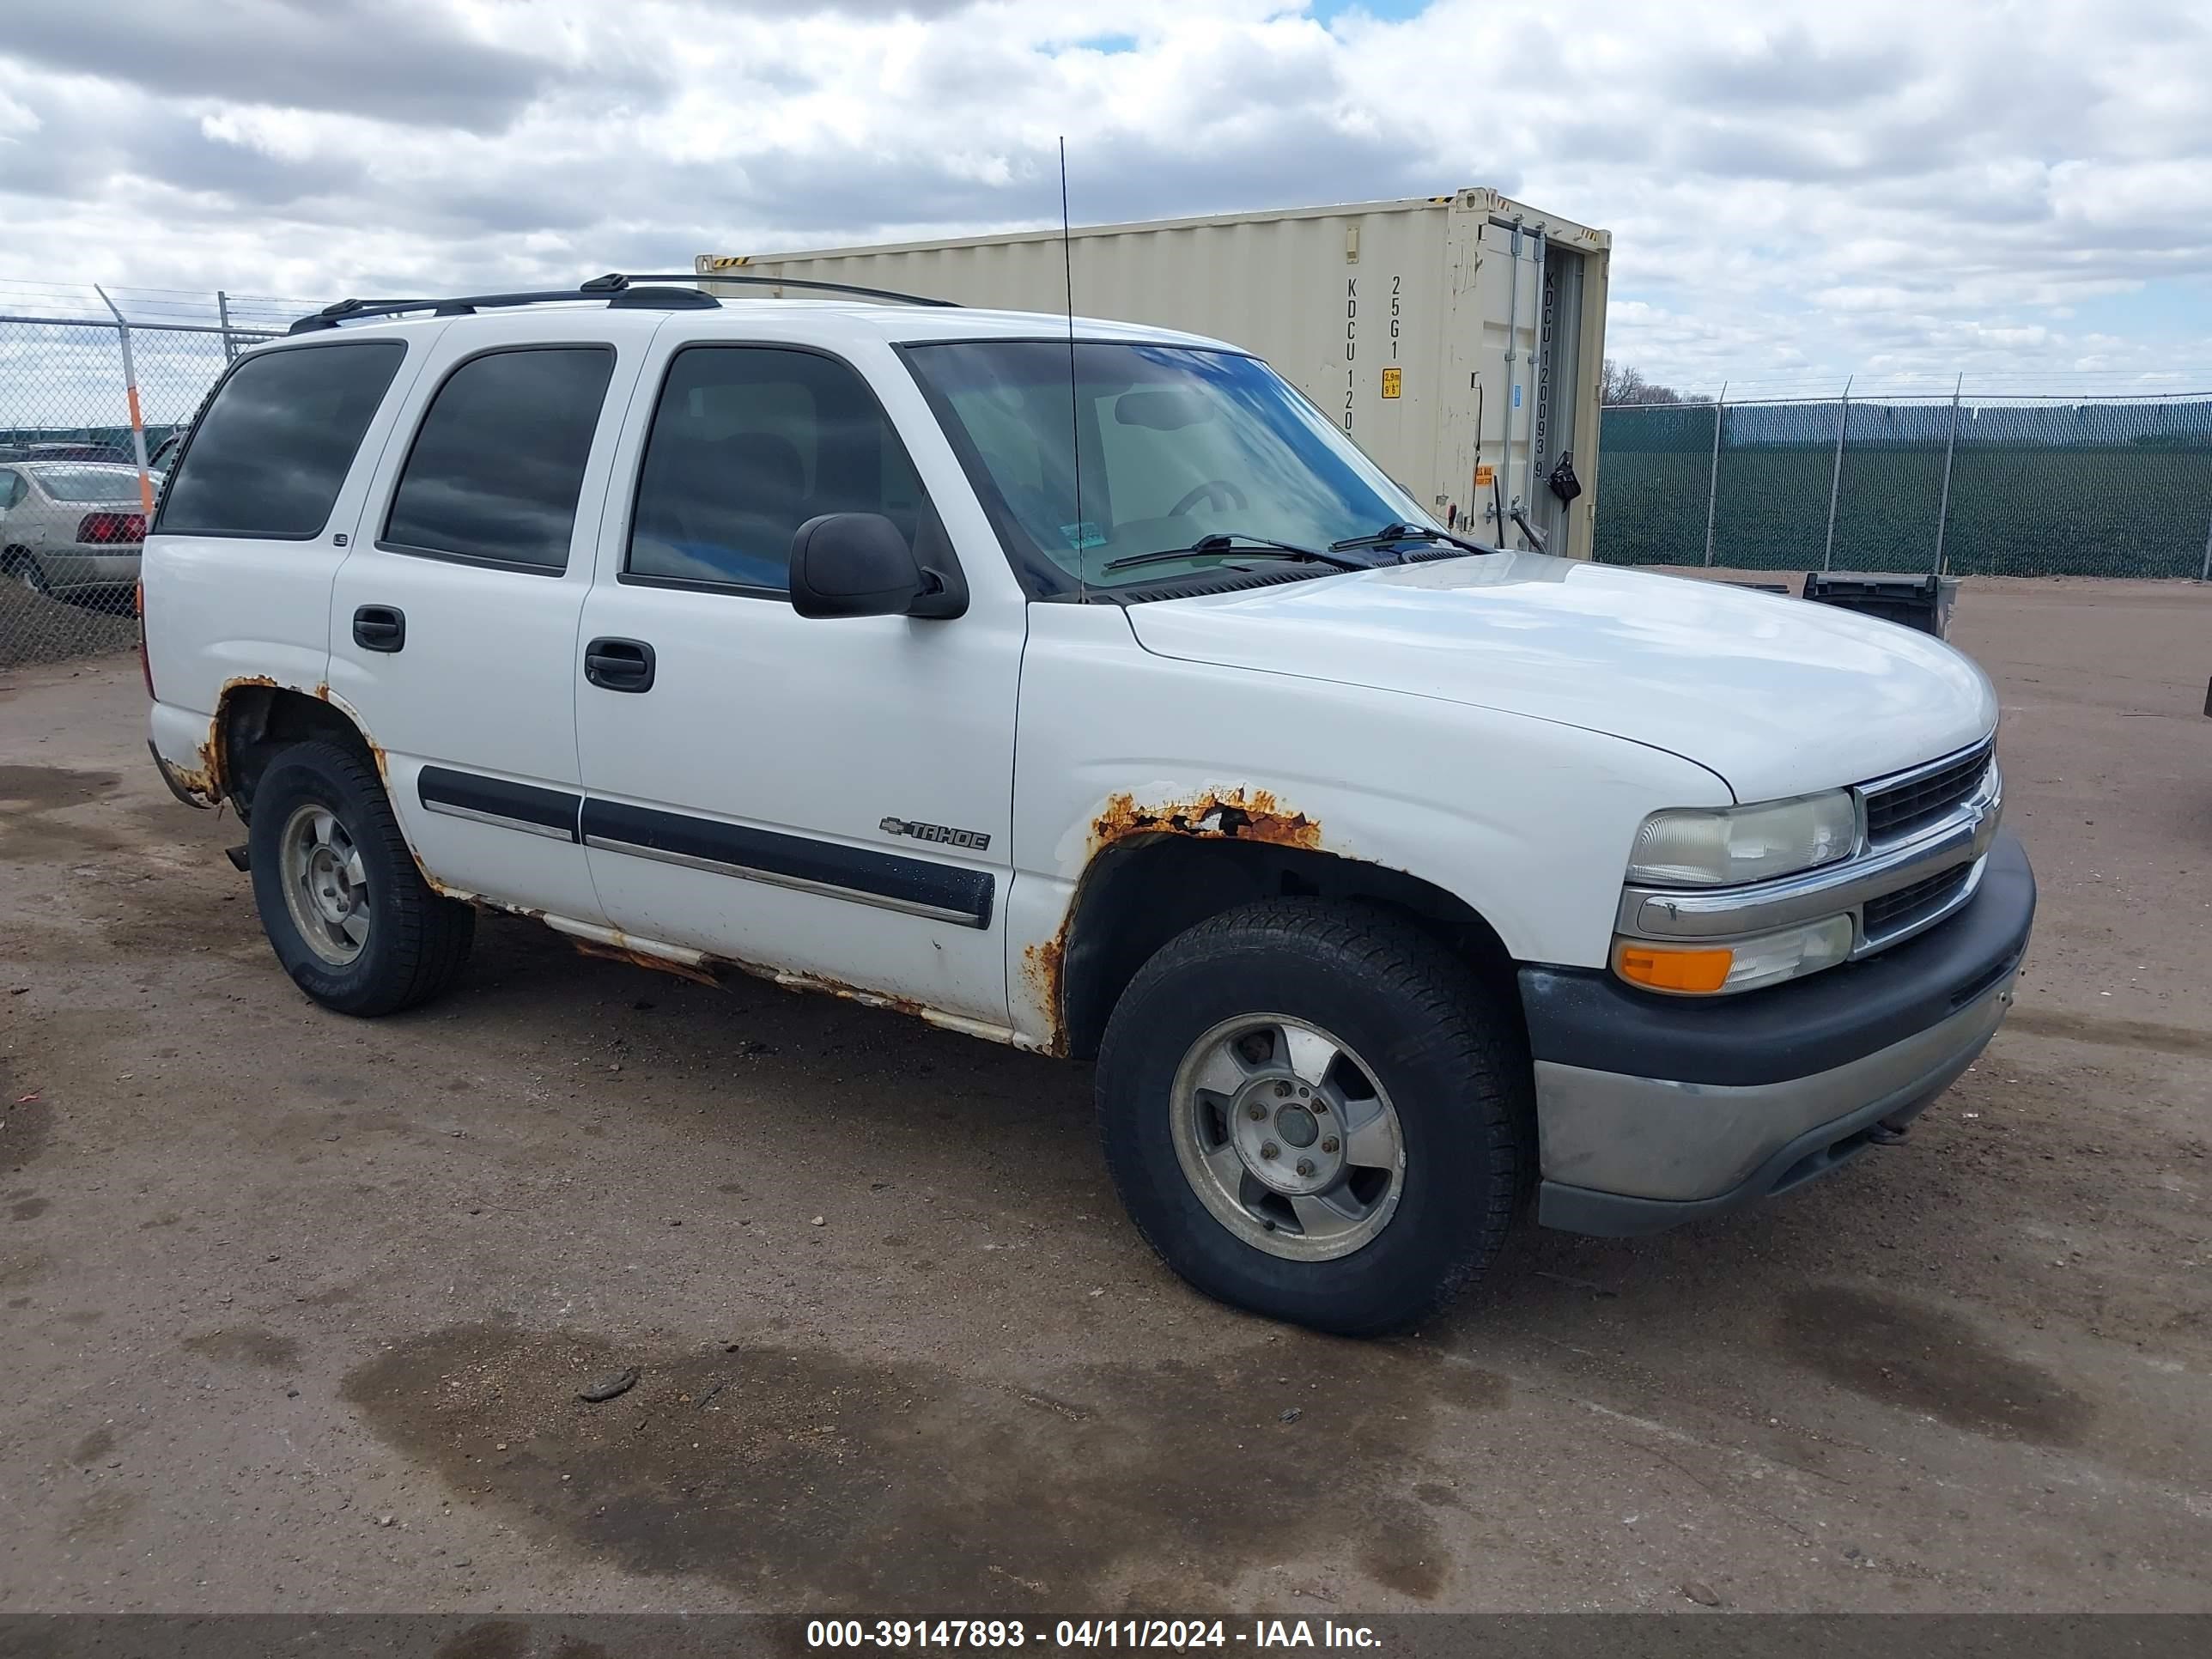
(115, 454)
(71, 529)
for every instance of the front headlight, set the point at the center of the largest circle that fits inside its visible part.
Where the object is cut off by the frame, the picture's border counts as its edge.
(1704, 847)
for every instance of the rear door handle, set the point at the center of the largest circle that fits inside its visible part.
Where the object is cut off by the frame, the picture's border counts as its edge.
(619, 664)
(379, 628)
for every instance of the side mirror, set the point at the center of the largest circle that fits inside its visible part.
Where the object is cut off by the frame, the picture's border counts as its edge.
(854, 564)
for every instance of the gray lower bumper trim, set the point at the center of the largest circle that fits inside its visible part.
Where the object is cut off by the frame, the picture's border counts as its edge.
(1618, 1215)
(1691, 1147)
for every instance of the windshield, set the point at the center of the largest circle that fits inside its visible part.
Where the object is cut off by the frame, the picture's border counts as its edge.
(87, 483)
(1178, 443)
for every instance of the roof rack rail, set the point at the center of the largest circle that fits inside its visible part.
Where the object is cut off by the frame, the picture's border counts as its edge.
(615, 289)
(619, 289)
(803, 281)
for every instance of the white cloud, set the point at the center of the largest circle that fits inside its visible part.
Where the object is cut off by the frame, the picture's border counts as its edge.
(1797, 190)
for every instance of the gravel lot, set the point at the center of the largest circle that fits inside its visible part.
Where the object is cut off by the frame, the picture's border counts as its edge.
(296, 1309)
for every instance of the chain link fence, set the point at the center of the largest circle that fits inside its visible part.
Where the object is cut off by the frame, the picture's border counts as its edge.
(1970, 486)
(1980, 486)
(71, 520)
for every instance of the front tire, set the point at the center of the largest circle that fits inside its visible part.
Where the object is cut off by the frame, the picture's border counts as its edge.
(345, 908)
(1313, 1110)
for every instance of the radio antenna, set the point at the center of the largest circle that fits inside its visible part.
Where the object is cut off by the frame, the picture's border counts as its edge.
(1074, 422)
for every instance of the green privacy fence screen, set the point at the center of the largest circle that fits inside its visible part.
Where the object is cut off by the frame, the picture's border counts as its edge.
(2120, 488)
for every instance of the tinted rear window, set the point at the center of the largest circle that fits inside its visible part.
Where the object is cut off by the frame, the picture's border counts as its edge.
(271, 454)
(87, 483)
(499, 461)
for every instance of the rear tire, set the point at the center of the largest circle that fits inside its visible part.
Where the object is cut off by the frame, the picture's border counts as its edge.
(1313, 1111)
(346, 910)
(24, 569)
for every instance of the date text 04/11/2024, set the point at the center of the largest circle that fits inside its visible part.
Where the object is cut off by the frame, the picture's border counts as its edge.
(1007, 1633)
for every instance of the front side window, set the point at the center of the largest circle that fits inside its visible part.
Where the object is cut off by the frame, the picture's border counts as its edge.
(498, 463)
(1177, 444)
(269, 456)
(748, 443)
(12, 490)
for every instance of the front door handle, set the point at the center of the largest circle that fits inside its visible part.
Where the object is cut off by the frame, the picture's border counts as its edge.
(379, 628)
(619, 664)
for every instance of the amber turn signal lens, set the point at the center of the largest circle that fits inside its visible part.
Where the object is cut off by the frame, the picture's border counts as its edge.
(1661, 967)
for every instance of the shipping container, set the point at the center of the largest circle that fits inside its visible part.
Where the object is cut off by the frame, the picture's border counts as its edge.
(1456, 338)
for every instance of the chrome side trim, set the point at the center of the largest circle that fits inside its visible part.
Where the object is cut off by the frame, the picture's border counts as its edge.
(498, 821)
(1652, 1138)
(797, 884)
(1843, 887)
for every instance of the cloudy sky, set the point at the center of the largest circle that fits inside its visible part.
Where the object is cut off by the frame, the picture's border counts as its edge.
(2020, 189)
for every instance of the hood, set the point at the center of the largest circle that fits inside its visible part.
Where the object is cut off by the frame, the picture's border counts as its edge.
(1778, 697)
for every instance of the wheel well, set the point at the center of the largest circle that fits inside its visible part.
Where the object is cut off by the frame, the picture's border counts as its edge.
(256, 721)
(1141, 892)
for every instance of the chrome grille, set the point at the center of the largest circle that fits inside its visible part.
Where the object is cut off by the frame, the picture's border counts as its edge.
(1894, 913)
(1895, 811)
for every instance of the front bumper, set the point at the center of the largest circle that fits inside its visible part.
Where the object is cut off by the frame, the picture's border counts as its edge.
(1652, 1111)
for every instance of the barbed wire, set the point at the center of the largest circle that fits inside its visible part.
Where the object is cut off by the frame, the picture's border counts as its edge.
(81, 301)
(1967, 399)
(2101, 384)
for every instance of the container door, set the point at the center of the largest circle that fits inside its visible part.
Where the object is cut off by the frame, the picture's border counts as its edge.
(1522, 344)
(1558, 375)
(1502, 333)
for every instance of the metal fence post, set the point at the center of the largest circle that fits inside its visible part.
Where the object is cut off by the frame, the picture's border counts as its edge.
(1943, 510)
(1713, 477)
(2205, 574)
(222, 316)
(1836, 475)
(130, 395)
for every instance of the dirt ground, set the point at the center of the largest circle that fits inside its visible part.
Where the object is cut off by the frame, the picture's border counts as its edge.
(34, 629)
(296, 1309)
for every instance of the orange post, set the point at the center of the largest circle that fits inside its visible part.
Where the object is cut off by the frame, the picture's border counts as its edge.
(137, 420)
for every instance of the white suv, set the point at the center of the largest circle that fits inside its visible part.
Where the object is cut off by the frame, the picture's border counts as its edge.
(1386, 878)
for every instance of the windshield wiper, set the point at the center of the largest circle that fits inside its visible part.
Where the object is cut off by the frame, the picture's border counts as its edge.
(1224, 544)
(1391, 534)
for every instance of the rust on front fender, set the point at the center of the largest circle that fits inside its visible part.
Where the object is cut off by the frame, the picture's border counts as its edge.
(1239, 814)
(1044, 965)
